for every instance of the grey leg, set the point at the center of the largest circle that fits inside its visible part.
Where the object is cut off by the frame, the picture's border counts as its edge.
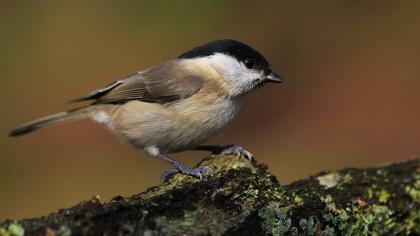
(181, 168)
(228, 149)
(178, 166)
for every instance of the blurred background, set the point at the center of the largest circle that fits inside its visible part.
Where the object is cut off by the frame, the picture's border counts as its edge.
(351, 99)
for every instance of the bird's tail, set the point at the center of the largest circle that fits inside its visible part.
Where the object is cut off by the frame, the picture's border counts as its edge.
(55, 119)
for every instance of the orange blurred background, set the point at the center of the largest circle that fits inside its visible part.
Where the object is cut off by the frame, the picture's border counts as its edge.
(352, 95)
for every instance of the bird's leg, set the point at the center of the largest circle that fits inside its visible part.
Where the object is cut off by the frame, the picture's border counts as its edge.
(227, 149)
(178, 166)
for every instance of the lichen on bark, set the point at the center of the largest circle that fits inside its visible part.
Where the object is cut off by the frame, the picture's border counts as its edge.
(241, 198)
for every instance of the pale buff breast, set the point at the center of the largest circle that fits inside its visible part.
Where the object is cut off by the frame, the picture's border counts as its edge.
(171, 128)
(201, 120)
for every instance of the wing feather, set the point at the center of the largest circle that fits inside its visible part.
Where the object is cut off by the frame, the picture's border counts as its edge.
(162, 84)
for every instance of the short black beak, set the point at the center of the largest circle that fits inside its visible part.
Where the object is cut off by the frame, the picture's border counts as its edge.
(273, 77)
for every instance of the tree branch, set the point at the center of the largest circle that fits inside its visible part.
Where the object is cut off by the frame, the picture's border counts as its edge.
(242, 198)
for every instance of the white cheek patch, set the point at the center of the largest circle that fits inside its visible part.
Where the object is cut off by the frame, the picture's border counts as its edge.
(240, 79)
(101, 117)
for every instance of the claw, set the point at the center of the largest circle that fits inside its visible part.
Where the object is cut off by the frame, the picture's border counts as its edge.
(205, 169)
(239, 151)
(167, 173)
(196, 172)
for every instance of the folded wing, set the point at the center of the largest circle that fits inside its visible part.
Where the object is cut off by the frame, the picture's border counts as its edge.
(162, 84)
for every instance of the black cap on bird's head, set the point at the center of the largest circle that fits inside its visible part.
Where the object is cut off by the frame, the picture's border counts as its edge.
(242, 52)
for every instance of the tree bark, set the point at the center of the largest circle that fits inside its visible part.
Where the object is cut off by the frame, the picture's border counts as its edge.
(241, 198)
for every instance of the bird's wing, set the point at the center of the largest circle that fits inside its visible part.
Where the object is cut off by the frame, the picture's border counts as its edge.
(162, 84)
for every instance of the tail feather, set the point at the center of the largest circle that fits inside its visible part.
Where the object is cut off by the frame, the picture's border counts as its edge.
(59, 118)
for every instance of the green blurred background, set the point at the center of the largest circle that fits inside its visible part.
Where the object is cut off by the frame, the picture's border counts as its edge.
(351, 98)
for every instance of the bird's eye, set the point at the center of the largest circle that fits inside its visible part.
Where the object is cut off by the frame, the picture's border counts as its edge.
(249, 63)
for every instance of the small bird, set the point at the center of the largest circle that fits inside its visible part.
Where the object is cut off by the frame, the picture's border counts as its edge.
(175, 106)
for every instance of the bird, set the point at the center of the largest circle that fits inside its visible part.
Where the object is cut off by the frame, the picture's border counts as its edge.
(177, 105)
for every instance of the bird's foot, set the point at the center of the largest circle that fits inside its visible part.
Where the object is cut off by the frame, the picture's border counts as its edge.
(227, 149)
(237, 150)
(199, 172)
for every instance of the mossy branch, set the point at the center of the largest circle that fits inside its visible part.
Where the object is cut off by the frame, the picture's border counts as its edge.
(242, 198)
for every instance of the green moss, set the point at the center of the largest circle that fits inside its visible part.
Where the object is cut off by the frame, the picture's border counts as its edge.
(416, 175)
(328, 231)
(327, 199)
(414, 191)
(274, 220)
(411, 224)
(63, 231)
(14, 229)
(277, 193)
(252, 191)
(347, 178)
(356, 221)
(3, 232)
(381, 172)
(340, 214)
(383, 196)
(380, 219)
(369, 193)
(307, 226)
(189, 219)
(376, 220)
(298, 200)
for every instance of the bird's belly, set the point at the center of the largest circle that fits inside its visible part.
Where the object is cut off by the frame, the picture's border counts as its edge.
(172, 129)
(198, 123)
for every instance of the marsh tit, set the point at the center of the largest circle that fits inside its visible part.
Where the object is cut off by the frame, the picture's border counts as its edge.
(177, 105)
